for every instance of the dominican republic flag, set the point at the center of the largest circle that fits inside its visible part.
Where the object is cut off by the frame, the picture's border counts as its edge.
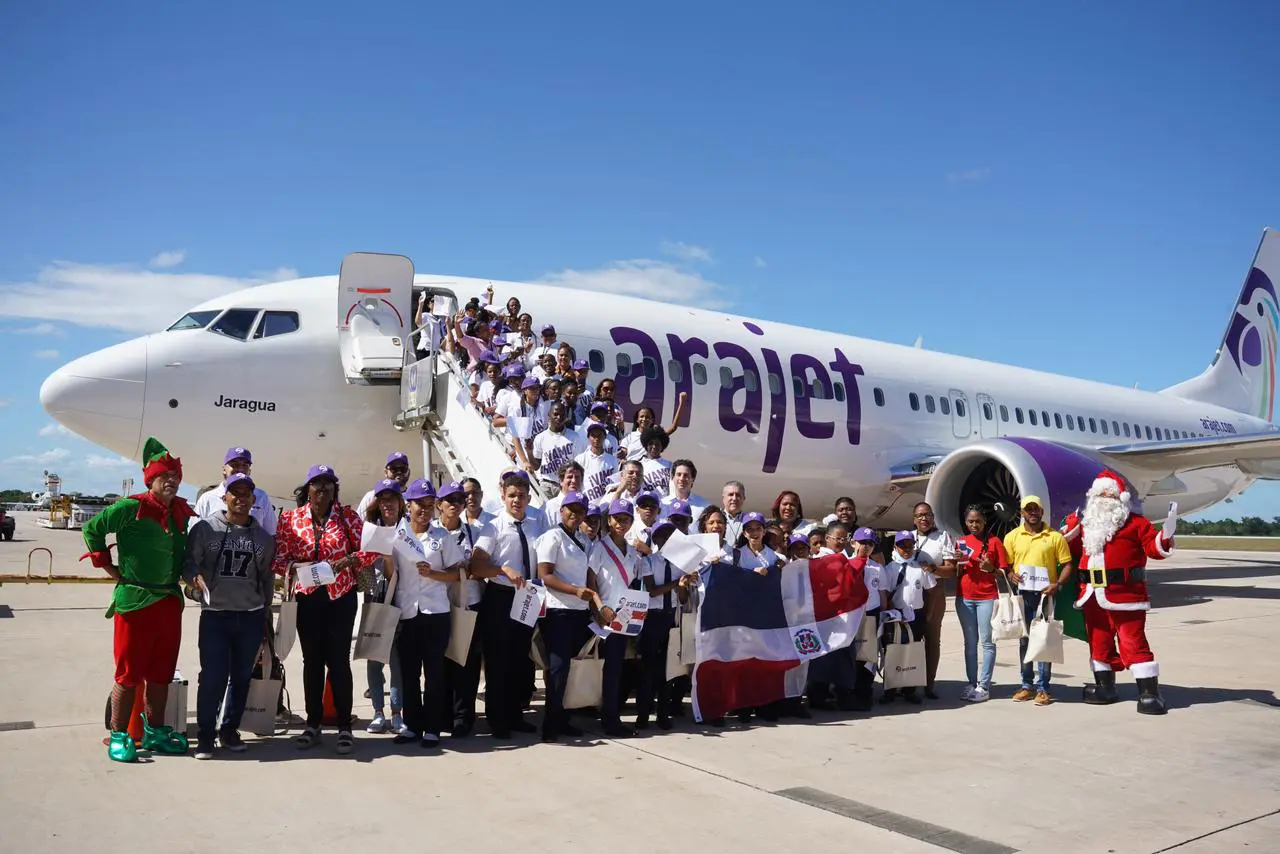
(757, 633)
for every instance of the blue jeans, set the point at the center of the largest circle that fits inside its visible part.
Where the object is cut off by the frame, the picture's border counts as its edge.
(1036, 674)
(229, 642)
(975, 623)
(378, 683)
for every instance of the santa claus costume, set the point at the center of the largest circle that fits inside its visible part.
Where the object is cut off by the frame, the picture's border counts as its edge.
(1115, 546)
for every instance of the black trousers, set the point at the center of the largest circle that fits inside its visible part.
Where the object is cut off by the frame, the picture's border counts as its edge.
(461, 681)
(421, 645)
(564, 632)
(507, 666)
(324, 631)
(654, 639)
(615, 653)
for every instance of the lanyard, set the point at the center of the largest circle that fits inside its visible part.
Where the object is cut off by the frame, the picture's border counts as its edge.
(626, 579)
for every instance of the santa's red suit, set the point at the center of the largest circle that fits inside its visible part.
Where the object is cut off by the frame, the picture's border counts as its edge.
(1113, 590)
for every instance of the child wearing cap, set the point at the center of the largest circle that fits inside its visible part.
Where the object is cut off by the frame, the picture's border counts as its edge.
(210, 504)
(750, 552)
(873, 577)
(667, 587)
(648, 507)
(906, 579)
(617, 567)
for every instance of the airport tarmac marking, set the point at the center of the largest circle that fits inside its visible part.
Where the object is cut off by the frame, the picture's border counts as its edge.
(13, 726)
(1216, 832)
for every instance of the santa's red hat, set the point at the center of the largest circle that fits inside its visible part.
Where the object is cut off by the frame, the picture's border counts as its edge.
(1109, 483)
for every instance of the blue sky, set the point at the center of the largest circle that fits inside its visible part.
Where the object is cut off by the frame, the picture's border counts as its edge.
(883, 172)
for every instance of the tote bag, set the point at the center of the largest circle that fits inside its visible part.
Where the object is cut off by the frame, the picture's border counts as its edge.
(585, 686)
(1044, 638)
(904, 661)
(287, 626)
(867, 640)
(1007, 621)
(462, 626)
(378, 622)
(263, 700)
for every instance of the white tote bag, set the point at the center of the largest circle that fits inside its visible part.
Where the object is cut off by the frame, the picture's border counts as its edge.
(867, 640)
(1044, 638)
(287, 627)
(1007, 620)
(462, 625)
(904, 661)
(585, 686)
(680, 658)
(263, 698)
(378, 622)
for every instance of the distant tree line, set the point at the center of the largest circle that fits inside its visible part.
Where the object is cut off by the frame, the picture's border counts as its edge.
(1249, 526)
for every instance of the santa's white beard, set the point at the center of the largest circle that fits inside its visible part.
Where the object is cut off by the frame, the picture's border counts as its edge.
(1103, 516)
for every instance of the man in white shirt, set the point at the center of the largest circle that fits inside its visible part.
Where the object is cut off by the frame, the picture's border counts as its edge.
(547, 346)
(397, 469)
(554, 447)
(237, 461)
(570, 481)
(683, 475)
(733, 499)
(598, 465)
(513, 563)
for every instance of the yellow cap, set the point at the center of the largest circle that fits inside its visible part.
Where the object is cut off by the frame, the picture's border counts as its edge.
(1032, 499)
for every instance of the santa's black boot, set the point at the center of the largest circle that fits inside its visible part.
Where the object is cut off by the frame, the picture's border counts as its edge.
(1103, 690)
(1149, 700)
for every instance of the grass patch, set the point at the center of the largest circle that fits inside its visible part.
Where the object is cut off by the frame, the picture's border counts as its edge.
(1195, 542)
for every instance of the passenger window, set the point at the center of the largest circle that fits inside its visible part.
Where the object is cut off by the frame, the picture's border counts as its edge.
(1104, 427)
(1031, 416)
(945, 405)
(753, 381)
(960, 408)
(1071, 422)
(1093, 426)
(624, 365)
(839, 387)
(1147, 430)
(700, 374)
(816, 391)
(1017, 413)
(878, 394)
(986, 411)
(651, 367)
(775, 384)
(276, 323)
(236, 323)
(928, 403)
(1126, 430)
(797, 386)
(596, 358)
(676, 370)
(1115, 427)
(1137, 432)
(1044, 418)
(1004, 412)
(914, 400)
(1057, 420)
(726, 378)
(194, 320)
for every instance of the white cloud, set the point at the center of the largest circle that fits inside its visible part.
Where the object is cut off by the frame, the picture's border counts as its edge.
(969, 176)
(119, 296)
(5, 401)
(38, 329)
(45, 354)
(646, 278)
(97, 461)
(168, 259)
(45, 458)
(55, 430)
(688, 252)
(760, 262)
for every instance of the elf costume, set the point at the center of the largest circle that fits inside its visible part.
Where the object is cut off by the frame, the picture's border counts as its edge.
(151, 539)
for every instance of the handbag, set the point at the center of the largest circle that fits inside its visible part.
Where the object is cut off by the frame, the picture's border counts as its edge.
(585, 685)
(1007, 619)
(904, 659)
(378, 624)
(462, 627)
(867, 640)
(1044, 638)
(287, 625)
(263, 700)
(680, 641)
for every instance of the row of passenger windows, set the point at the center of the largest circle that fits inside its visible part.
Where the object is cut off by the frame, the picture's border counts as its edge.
(241, 323)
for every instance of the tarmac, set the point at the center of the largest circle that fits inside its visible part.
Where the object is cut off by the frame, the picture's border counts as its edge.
(945, 776)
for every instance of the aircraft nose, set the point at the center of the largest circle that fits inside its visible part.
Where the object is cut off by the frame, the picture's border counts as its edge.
(100, 396)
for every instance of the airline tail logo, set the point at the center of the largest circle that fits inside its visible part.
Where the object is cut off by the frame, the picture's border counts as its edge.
(1251, 340)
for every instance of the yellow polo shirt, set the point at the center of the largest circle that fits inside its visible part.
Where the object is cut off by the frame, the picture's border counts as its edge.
(1046, 548)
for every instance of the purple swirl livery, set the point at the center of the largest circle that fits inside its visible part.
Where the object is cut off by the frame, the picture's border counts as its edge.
(1251, 340)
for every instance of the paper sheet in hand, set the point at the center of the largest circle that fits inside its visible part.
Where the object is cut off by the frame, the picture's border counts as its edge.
(407, 546)
(1171, 522)
(683, 552)
(377, 538)
(311, 575)
(521, 428)
(528, 604)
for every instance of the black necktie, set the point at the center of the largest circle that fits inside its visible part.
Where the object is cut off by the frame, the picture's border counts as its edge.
(524, 547)
(666, 597)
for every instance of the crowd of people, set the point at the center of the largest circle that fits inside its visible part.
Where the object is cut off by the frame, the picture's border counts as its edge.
(614, 501)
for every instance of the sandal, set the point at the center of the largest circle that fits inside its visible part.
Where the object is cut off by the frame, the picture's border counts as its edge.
(307, 739)
(346, 741)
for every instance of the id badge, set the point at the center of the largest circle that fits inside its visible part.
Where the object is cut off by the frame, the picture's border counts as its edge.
(1033, 577)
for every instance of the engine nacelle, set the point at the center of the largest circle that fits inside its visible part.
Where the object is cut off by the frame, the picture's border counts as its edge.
(996, 473)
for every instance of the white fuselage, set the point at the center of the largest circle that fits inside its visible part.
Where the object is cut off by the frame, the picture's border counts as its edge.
(846, 435)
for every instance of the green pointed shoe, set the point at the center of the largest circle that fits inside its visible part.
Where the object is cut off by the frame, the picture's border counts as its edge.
(121, 748)
(163, 739)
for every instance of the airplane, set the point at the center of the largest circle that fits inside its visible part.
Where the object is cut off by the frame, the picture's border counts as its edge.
(316, 370)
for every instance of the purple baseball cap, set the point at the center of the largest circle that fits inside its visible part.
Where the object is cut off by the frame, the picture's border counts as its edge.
(648, 495)
(449, 490)
(239, 477)
(596, 510)
(514, 472)
(548, 328)
(797, 539)
(512, 371)
(387, 484)
(621, 507)
(419, 489)
(680, 508)
(489, 357)
(748, 518)
(238, 454)
(572, 497)
(904, 537)
(581, 365)
(596, 425)
(397, 457)
(498, 341)
(864, 535)
(319, 471)
(600, 406)
(661, 526)
(530, 382)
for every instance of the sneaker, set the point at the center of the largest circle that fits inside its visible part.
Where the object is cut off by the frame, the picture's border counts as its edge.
(232, 741)
(397, 721)
(967, 693)
(1023, 695)
(1043, 698)
(204, 750)
(980, 695)
(378, 725)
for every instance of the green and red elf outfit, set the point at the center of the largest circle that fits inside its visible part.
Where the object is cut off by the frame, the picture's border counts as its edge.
(151, 539)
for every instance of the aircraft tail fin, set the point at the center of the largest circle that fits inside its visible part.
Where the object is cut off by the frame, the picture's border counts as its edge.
(1243, 373)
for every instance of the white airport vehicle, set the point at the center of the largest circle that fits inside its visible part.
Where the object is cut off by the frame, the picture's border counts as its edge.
(318, 370)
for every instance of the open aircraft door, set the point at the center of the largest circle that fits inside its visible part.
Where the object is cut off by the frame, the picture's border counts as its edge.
(375, 314)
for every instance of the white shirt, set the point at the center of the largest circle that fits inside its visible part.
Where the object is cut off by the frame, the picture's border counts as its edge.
(417, 595)
(468, 537)
(748, 559)
(657, 474)
(873, 576)
(697, 504)
(211, 504)
(365, 503)
(631, 447)
(570, 560)
(909, 579)
(935, 547)
(732, 526)
(662, 572)
(596, 473)
(556, 450)
(506, 545)
(610, 581)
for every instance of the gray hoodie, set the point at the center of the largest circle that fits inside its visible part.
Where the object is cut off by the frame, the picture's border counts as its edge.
(234, 561)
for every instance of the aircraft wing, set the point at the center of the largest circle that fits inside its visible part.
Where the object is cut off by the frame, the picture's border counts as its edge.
(1257, 454)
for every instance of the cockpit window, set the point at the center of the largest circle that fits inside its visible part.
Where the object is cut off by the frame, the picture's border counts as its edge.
(236, 323)
(276, 323)
(195, 320)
